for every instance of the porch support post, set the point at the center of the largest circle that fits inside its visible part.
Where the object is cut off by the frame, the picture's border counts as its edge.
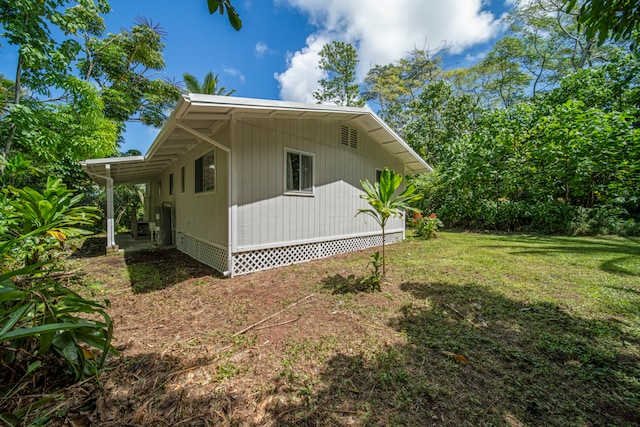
(111, 237)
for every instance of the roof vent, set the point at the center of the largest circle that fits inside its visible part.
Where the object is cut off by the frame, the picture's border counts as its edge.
(348, 136)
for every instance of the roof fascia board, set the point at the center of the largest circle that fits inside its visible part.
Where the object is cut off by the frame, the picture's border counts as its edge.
(251, 103)
(111, 160)
(400, 141)
(176, 115)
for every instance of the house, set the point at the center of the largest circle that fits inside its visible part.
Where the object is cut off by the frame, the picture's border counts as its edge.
(244, 185)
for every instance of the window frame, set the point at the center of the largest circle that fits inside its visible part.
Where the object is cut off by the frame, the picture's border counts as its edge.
(301, 153)
(378, 174)
(199, 172)
(183, 184)
(171, 184)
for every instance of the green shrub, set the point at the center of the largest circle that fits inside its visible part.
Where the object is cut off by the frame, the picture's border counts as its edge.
(39, 316)
(372, 281)
(427, 228)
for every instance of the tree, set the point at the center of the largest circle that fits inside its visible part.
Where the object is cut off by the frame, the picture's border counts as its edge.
(441, 120)
(393, 87)
(338, 62)
(498, 76)
(208, 86)
(125, 67)
(48, 105)
(222, 5)
(385, 204)
(73, 93)
(618, 19)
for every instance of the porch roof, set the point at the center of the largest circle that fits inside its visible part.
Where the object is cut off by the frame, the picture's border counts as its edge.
(196, 116)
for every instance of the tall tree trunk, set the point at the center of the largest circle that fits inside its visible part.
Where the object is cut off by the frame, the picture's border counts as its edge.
(16, 100)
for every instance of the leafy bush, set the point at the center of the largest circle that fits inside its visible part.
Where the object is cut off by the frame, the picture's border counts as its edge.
(40, 316)
(372, 282)
(55, 212)
(427, 228)
(606, 219)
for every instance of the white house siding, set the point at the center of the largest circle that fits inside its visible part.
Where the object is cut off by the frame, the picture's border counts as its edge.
(201, 220)
(266, 217)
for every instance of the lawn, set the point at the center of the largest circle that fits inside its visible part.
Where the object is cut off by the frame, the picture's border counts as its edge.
(469, 330)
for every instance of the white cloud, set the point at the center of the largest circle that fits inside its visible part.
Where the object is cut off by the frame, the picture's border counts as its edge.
(235, 73)
(299, 81)
(383, 31)
(262, 49)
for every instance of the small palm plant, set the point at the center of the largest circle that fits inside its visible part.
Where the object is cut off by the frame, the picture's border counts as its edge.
(385, 204)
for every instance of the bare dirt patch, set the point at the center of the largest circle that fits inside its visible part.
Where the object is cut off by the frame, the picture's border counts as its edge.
(182, 360)
(456, 337)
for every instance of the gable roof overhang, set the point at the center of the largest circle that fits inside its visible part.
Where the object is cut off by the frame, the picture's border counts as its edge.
(197, 116)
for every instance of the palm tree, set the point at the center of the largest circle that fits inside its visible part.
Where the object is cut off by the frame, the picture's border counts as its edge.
(209, 85)
(381, 198)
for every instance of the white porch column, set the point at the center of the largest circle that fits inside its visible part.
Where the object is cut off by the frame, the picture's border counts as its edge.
(111, 236)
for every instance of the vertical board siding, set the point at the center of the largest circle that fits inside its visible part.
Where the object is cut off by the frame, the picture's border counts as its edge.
(267, 217)
(202, 215)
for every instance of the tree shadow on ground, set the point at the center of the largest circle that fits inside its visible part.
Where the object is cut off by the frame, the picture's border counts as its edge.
(474, 357)
(352, 284)
(92, 247)
(519, 363)
(151, 271)
(622, 265)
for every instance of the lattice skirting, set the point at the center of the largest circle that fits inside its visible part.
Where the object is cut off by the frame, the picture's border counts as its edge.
(264, 259)
(212, 255)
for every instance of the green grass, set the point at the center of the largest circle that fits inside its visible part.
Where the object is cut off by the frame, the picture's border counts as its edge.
(549, 328)
(469, 330)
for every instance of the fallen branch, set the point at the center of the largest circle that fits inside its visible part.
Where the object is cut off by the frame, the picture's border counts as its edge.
(272, 316)
(278, 324)
(455, 311)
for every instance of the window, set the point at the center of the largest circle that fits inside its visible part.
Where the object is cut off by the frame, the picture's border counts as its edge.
(182, 179)
(378, 174)
(205, 173)
(299, 172)
(171, 184)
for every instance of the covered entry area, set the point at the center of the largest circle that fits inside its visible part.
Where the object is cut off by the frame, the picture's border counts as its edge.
(119, 170)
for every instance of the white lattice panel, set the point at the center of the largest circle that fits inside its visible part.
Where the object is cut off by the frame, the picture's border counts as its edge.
(206, 253)
(264, 259)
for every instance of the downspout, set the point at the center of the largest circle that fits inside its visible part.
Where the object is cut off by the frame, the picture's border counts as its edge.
(231, 207)
(230, 221)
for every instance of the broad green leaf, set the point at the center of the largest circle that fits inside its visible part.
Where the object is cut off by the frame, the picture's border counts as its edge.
(53, 327)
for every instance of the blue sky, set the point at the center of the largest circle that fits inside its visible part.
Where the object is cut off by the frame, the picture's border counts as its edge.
(274, 56)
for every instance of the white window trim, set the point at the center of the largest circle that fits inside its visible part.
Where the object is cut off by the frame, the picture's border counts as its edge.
(375, 175)
(215, 173)
(311, 193)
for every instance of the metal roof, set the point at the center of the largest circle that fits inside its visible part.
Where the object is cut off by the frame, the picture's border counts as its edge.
(196, 114)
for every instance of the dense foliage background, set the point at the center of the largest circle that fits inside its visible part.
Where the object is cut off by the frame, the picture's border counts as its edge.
(540, 135)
